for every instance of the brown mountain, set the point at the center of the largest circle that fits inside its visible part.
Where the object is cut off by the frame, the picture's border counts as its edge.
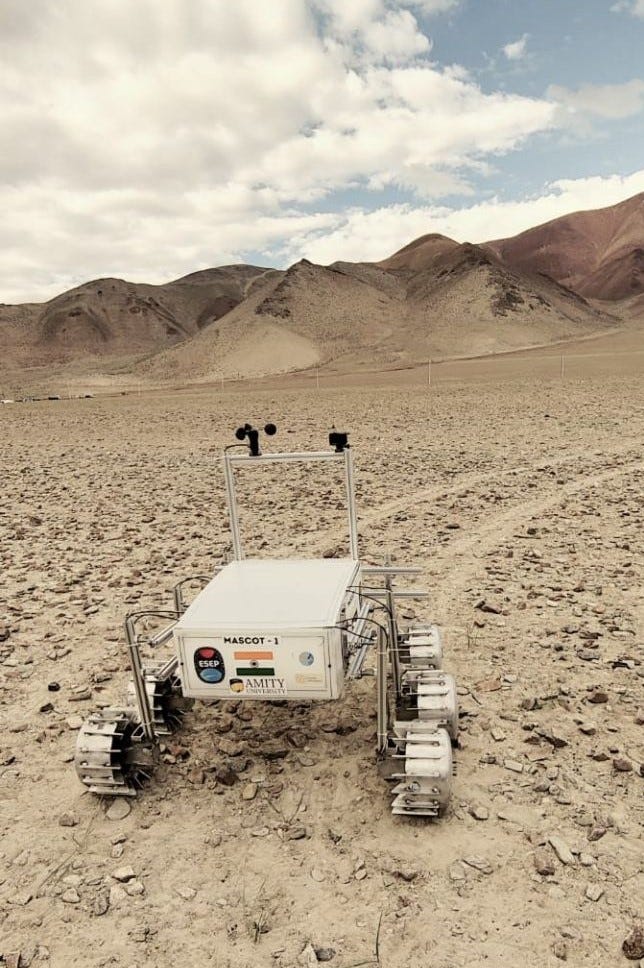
(113, 318)
(599, 253)
(433, 298)
(461, 301)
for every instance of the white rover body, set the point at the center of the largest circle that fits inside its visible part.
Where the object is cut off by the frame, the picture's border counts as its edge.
(265, 629)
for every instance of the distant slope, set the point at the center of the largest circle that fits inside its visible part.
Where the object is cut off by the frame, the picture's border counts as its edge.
(308, 315)
(576, 276)
(112, 318)
(419, 254)
(599, 253)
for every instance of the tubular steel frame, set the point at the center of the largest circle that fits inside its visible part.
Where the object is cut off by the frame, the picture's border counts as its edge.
(345, 457)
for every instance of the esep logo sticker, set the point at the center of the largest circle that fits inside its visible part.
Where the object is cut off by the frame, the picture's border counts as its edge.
(209, 665)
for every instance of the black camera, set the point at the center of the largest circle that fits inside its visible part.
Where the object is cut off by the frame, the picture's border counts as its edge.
(338, 440)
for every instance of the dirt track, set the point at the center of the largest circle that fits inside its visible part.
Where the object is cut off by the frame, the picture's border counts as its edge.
(522, 503)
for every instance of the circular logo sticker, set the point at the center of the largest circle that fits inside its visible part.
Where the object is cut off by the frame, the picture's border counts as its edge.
(209, 665)
(307, 658)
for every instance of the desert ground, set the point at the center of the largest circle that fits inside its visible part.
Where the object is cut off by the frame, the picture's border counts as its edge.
(265, 837)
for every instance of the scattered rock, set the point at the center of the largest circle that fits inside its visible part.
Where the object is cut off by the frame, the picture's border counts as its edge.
(561, 849)
(543, 863)
(596, 833)
(20, 898)
(598, 696)
(187, 893)
(622, 765)
(123, 874)
(479, 812)
(70, 896)
(513, 765)
(633, 944)
(102, 903)
(325, 954)
(68, 820)
(594, 892)
(249, 791)
(560, 950)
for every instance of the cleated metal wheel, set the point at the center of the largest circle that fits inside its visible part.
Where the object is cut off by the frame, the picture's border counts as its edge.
(167, 704)
(424, 773)
(110, 758)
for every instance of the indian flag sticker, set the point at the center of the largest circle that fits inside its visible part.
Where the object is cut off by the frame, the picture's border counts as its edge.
(255, 668)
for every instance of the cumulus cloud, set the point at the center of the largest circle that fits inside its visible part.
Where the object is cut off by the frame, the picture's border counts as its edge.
(150, 139)
(611, 101)
(634, 7)
(374, 235)
(517, 49)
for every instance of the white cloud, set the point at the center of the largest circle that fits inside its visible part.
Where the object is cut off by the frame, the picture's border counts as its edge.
(634, 7)
(431, 7)
(517, 49)
(149, 139)
(611, 101)
(373, 235)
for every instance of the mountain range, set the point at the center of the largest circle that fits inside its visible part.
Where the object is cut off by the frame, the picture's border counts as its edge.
(572, 277)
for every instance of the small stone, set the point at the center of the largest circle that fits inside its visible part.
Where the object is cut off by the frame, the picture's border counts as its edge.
(456, 871)
(318, 875)
(74, 722)
(543, 864)
(478, 863)
(307, 957)
(598, 696)
(118, 809)
(479, 812)
(117, 895)
(123, 874)
(622, 765)
(21, 898)
(70, 896)
(296, 833)
(187, 893)
(249, 791)
(560, 950)
(231, 747)
(260, 832)
(594, 892)
(561, 849)
(554, 738)
(497, 735)
(492, 608)
(135, 888)
(513, 765)
(27, 956)
(324, 954)
(53, 686)
(102, 903)
(361, 874)
(67, 820)
(407, 874)
(596, 833)
(633, 944)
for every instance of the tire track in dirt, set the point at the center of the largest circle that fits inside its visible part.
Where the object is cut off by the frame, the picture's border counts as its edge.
(500, 526)
(436, 491)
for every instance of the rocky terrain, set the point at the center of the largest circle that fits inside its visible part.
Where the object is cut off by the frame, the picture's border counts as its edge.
(265, 837)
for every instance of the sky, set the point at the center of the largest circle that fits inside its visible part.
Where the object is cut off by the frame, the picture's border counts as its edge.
(146, 139)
